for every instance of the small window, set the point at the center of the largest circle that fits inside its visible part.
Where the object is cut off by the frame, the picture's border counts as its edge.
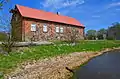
(33, 27)
(44, 28)
(61, 29)
(57, 29)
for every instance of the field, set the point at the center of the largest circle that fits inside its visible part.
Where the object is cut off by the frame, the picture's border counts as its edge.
(8, 63)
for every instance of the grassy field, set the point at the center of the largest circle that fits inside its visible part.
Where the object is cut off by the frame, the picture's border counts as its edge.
(8, 63)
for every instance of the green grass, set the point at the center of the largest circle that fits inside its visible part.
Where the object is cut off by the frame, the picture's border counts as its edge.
(8, 63)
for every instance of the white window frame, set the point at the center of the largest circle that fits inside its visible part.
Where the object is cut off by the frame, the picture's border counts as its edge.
(61, 29)
(57, 29)
(45, 28)
(33, 27)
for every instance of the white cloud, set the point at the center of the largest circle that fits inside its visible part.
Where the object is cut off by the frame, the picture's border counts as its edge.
(109, 6)
(113, 5)
(57, 4)
(96, 16)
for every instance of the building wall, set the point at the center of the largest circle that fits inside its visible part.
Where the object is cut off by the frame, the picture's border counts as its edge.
(16, 23)
(21, 29)
(51, 34)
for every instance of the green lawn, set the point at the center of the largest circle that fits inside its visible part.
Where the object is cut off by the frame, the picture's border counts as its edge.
(8, 63)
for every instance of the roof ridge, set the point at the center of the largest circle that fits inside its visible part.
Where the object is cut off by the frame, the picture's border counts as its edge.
(45, 15)
(44, 11)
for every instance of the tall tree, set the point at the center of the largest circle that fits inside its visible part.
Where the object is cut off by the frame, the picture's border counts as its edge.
(91, 34)
(101, 34)
(114, 31)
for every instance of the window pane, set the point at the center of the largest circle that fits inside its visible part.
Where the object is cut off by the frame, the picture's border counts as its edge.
(57, 29)
(33, 27)
(44, 28)
(61, 29)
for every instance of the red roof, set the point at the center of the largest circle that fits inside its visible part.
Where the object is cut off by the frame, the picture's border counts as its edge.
(48, 16)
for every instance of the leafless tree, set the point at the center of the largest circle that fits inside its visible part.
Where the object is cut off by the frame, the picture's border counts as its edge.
(2, 2)
(73, 35)
(5, 22)
(8, 44)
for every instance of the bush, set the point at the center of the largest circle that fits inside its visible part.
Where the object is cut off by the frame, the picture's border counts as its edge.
(7, 44)
(73, 36)
(110, 38)
(3, 36)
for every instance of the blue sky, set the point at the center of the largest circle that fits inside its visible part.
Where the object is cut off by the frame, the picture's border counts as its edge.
(94, 14)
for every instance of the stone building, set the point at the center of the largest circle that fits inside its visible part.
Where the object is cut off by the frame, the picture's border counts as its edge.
(38, 25)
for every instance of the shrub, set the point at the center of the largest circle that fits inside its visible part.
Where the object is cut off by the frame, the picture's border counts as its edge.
(8, 44)
(110, 38)
(3, 36)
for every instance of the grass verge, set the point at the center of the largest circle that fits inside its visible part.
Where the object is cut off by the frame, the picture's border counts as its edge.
(8, 63)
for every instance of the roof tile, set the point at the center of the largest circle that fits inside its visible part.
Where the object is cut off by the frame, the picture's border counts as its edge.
(49, 16)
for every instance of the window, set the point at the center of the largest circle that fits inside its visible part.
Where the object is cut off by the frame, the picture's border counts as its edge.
(33, 27)
(44, 28)
(57, 29)
(61, 29)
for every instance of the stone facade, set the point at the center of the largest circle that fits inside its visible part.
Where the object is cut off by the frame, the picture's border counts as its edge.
(51, 34)
(21, 29)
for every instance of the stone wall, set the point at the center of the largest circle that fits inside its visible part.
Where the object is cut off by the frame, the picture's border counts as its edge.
(51, 34)
(21, 29)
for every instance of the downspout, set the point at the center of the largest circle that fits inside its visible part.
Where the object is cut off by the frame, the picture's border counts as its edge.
(84, 32)
(23, 26)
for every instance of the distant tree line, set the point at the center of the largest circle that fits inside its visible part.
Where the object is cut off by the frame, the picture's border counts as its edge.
(112, 33)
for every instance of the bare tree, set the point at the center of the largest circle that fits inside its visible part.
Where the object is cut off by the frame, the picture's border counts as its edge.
(73, 35)
(8, 44)
(5, 23)
(2, 2)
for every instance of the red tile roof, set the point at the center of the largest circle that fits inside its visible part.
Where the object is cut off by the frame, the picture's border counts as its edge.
(42, 15)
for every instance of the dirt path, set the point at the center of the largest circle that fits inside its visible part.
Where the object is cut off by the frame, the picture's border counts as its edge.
(53, 68)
